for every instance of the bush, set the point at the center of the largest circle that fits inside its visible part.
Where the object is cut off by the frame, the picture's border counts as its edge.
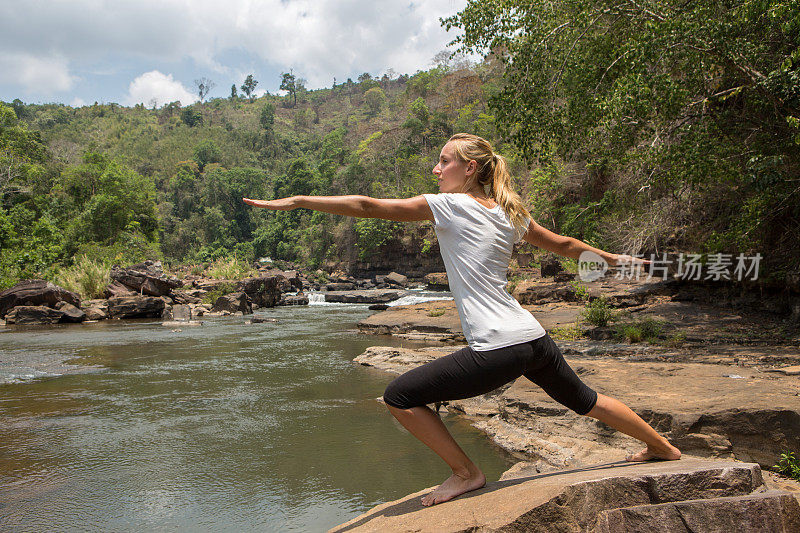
(220, 290)
(88, 277)
(598, 312)
(789, 466)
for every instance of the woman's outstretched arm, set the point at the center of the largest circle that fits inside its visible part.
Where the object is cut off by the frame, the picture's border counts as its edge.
(571, 247)
(399, 209)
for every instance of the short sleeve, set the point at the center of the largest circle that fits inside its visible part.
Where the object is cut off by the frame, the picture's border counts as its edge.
(520, 232)
(441, 207)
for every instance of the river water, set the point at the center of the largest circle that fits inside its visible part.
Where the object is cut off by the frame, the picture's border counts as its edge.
(133, 426)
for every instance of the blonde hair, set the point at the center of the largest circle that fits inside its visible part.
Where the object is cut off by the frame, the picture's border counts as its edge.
(492, 175)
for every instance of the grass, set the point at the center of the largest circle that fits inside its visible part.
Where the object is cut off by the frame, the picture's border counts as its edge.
(571, 332)
(647, 329)
(88, 277)
(436, 312)
(231, 268)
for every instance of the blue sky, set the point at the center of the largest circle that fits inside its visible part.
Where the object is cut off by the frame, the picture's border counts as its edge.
(81, 51)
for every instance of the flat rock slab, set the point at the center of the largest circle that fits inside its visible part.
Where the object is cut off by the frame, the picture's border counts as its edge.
(442, 317)
(571, 500)
(365, 296)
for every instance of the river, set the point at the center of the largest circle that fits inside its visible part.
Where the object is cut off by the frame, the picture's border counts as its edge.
(133, 426)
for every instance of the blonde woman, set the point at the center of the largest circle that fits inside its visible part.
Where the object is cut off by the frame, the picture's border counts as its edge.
(477, 218)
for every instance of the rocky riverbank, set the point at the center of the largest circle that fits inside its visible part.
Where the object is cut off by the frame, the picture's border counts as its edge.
(144, 290)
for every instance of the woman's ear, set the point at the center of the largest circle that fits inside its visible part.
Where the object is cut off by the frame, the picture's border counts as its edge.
(472, 166)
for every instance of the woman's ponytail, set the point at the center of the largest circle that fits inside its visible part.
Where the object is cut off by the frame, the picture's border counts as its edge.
(492, 174)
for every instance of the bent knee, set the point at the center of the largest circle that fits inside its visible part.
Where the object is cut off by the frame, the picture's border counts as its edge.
(393, 396)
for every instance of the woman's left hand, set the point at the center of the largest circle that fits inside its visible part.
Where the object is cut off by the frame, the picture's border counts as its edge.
(281, 204)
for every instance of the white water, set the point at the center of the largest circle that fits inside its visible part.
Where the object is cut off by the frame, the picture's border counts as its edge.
(318, 298)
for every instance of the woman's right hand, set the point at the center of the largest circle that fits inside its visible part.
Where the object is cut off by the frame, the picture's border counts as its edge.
(281, 204)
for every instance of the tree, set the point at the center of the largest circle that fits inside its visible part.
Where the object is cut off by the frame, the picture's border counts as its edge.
(234, 94)
(364, 77)
(204, 86)
(249, 86)
(289, 84)
(267, 117)
(692, 108)
(375, 98)
(206, 152)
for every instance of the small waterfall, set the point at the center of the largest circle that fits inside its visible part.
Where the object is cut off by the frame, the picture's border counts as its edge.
(315, 298)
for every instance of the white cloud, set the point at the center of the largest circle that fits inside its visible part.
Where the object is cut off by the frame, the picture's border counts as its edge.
(319, 39)
(44, 75)
(156, 88)
(77, 102)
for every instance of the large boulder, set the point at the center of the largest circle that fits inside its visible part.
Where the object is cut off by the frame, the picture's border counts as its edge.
(263, 291)
(437, 281)
(369, 296)
(71, 313)
(95, 309)
(233, 302)
(297, 299)
(26, 315)
(667, 496)
(393, 278)
(145, 278)
(183, 297)
(550, 265)
(135, 306)
(35, 292)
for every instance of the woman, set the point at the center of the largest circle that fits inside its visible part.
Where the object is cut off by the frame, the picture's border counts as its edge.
(477, 219)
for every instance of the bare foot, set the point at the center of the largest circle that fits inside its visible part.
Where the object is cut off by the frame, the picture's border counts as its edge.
(668, 453)
(452, 487)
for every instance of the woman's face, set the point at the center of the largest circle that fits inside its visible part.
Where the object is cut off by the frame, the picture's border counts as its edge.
(451, 172)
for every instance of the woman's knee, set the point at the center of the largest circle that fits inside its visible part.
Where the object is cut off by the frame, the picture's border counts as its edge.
(395, 395)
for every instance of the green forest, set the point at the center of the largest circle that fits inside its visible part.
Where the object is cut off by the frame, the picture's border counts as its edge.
(640, 127)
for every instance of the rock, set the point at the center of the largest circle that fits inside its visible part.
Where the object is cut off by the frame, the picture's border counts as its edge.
(116, 288)
(296, 299)
(35, 292)
(184, 298)
(181, 323)
(145, 278)
(135, 306)
(233, 302)
(262, 291)
(206, 285)
(550, 265)
(378, 307)
(71, 313)
(95, 309)
(393, 278)
(25, 315)
(425, 317)
(772, 510)
(599, 498)
(375, 296)
(181, 312)
(563, 277)
(437, 281)
(340, 286)
(787, 370)
(540, 292)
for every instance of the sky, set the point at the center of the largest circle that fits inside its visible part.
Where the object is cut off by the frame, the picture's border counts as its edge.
(78, 52)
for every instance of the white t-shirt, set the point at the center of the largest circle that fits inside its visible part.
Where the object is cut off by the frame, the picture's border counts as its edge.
(476, 244)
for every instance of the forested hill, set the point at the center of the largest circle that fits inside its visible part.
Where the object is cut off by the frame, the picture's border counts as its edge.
(647, 127)
(121, 183)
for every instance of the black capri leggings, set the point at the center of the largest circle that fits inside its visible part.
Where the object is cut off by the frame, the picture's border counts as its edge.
(468, 373)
